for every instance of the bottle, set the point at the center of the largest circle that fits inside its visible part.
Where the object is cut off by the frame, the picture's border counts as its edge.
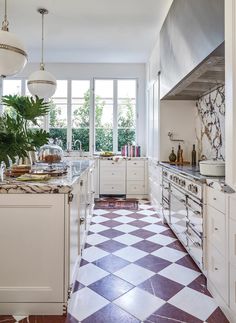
(178, 153)
(181, 158)
(172, 157)
(194, 154)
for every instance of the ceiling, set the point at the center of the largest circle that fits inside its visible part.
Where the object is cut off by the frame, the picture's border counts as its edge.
(88, 31)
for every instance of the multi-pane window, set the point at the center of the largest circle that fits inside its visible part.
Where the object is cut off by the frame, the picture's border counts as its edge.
(104, 104)
(77, 115)
(58, 114)
(80, 111)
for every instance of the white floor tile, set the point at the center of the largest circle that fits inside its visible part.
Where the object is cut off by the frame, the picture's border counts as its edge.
(139, 303)
(152, 219)
(170, 254)
(125, 219)
(194, 303)
(99, 219)
(179, 274)
(123, 212)
(93, 253)
(161, 239)
(128, 239)
(100, 212)
(95, 239)
(126, 228)
(130, 253)
(84, 303)
(97, 228)
(134, 274)
(90, 273)
(146, 212)
(145, 206)
(155, 228)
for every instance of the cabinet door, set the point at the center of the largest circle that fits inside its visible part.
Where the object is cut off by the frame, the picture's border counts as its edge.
(217, 271)
(232, 287)
(232, 241)
(32, 247)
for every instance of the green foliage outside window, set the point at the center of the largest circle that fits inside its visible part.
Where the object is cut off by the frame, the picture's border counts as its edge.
(103, 132)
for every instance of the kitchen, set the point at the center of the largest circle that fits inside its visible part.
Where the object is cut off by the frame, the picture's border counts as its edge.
(183, 94)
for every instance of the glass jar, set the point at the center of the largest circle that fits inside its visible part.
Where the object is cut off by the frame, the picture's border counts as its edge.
(50, 153)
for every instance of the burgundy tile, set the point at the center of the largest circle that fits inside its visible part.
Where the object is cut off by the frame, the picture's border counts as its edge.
(139, 223)
(111, 245)
(169, 313)
(89, 233)
(87, 245)
(111, 263)
(70, 319)
(111, 216)
(7, 319)
(111, 223)
(147, 246)
(111, 287)
(77, 286)
(200, 284)
(136, 216)
(169, 233)
(161, 287)
(187, 261)
(177, 245)
(111, 314)
(153, 263)
(83, 262)
(111, 233)
(142, 233)
(217, 317)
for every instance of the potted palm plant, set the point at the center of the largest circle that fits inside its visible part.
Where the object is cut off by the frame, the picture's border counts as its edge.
(16, 136)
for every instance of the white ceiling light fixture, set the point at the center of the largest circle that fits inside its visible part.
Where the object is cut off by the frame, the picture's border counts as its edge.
(42, 83)
(12, 52)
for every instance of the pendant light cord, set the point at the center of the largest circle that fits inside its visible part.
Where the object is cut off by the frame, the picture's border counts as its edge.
(5, 22)
(42, 52)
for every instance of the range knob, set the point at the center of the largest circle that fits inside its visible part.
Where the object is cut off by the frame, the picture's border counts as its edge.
(171, 177)
(195, 189)
(182, 183)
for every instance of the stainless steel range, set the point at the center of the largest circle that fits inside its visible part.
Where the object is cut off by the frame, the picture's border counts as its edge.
(183, 210)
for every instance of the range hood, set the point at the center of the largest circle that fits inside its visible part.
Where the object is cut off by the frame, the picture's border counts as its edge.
(192, 49)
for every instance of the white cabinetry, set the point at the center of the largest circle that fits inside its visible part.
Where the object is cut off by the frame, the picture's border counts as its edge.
(154, 182)
(232, 254)
(123, 177)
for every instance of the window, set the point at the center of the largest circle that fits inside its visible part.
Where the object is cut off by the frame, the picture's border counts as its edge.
(104, 121)
(115, 114)
(80, 110)
(58, 114)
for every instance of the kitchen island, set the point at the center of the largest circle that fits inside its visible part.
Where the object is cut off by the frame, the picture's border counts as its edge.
(42, 232)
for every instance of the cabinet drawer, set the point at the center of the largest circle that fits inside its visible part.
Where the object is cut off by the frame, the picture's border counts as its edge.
(135, 187)
(232, 292)
(112, 174)
(135, 173)
(112, 163)
(135, 163)
(232, 241)
(217, 271)
(216, 199)
(112, 188)
(216, 228)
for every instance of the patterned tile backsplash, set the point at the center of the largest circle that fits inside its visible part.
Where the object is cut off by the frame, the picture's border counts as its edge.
(210, 124)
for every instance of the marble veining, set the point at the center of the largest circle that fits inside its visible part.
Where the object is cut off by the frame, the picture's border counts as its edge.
(58, 185)
(210, 129)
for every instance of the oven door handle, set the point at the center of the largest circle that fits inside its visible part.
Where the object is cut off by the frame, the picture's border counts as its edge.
(192, 209)
(196, 244)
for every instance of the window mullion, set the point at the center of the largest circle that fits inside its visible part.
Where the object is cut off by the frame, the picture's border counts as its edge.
(92, 118)
(115, 117)
(69, 114)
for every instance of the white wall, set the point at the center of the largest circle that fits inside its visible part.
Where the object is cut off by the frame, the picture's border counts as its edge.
(177, 117)
(75, 71)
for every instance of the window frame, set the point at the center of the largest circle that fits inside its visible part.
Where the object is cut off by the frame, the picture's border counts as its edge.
(92, 142)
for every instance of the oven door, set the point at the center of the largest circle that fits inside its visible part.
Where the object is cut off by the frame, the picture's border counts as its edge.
(166, 201)
(195, 247)
(195, 216)
(178, 213)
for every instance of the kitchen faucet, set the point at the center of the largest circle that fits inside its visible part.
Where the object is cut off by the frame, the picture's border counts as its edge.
(80, 146)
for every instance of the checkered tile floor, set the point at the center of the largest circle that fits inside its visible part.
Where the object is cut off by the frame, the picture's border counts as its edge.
(134, 270)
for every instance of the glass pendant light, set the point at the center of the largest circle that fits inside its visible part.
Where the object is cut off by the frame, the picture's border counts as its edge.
(12, 52)
(42, 83)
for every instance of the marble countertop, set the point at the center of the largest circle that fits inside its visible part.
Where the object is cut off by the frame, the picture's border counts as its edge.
(193, 172)
(56, 185)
